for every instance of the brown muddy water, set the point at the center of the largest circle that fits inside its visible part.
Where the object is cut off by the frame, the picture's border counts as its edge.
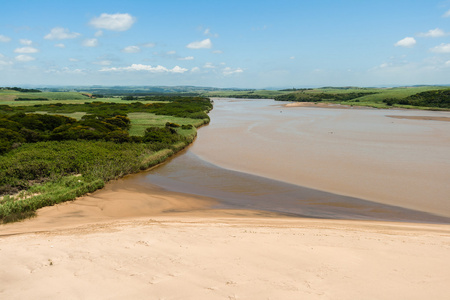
(316, 162)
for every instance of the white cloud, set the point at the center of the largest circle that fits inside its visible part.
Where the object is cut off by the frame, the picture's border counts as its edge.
(217, 52)
(98, 33)
(186, 58)
(24, 58)
(141, 67)
(433, 33)
(209, 65)
(178, 69)
(447, 14)
(149, 45)
(73, 59)
(4, 39)
(208, 33)
(90, 43)
(205, 44)
(115, 22)
(292, 57)
(60, 45)
(173, 52)
(25, 42)
(59, 33)
(103, 62)
(195, 69)
(230, 71)
(4, 62)
(442, 48)
(26, 50)
(406, 42)
(131, 49)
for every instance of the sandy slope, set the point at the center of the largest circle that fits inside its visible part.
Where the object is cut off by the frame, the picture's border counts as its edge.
(224, 256)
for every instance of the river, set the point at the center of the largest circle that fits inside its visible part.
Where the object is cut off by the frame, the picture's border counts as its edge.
(317, 162)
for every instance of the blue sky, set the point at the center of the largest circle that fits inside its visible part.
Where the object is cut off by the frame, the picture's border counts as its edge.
(245, 44)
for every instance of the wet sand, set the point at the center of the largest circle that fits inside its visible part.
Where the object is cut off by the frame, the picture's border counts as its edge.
(141, 241)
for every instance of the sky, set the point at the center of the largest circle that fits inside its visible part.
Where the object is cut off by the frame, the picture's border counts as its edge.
(225, 44)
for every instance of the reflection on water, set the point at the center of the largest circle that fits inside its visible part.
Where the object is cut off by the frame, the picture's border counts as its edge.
(187, 173)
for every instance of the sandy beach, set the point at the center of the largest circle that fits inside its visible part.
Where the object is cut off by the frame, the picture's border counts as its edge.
(223, 255)
(136, 241)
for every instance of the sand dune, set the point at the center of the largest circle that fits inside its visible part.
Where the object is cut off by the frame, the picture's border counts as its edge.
(221, 256)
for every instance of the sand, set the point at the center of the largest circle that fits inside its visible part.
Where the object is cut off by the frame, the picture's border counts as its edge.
(168, 245)
(224, 256)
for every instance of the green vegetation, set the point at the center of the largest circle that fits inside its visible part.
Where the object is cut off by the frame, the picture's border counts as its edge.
(316, 97)
(21, 90)
(436, 98)
(420, 97)
(245, 94)
(49, 157)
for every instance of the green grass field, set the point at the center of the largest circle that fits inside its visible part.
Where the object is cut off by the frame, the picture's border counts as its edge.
(141, 121)
(375, 99)
(255, 94)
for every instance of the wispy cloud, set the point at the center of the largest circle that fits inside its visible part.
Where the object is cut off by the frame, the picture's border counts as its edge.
(4, 61)
(447, 14)
(90, 43)
(149, 45)
(205, 44)
(26, 50)
(4, 39)
(209, 65)
(434, 33)
(186, 58)
(24, 58)
(209, 33)
(103, 63)
(148, 68)
(229, 71)
(60, 45)
(59, 33)
(442, 48)
(114, 22)
(26, 42)
(407, 42)
(131, 49)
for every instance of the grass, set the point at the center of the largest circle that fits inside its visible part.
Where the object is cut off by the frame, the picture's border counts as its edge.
(141, 121)
(255, 94)
(378, 95)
